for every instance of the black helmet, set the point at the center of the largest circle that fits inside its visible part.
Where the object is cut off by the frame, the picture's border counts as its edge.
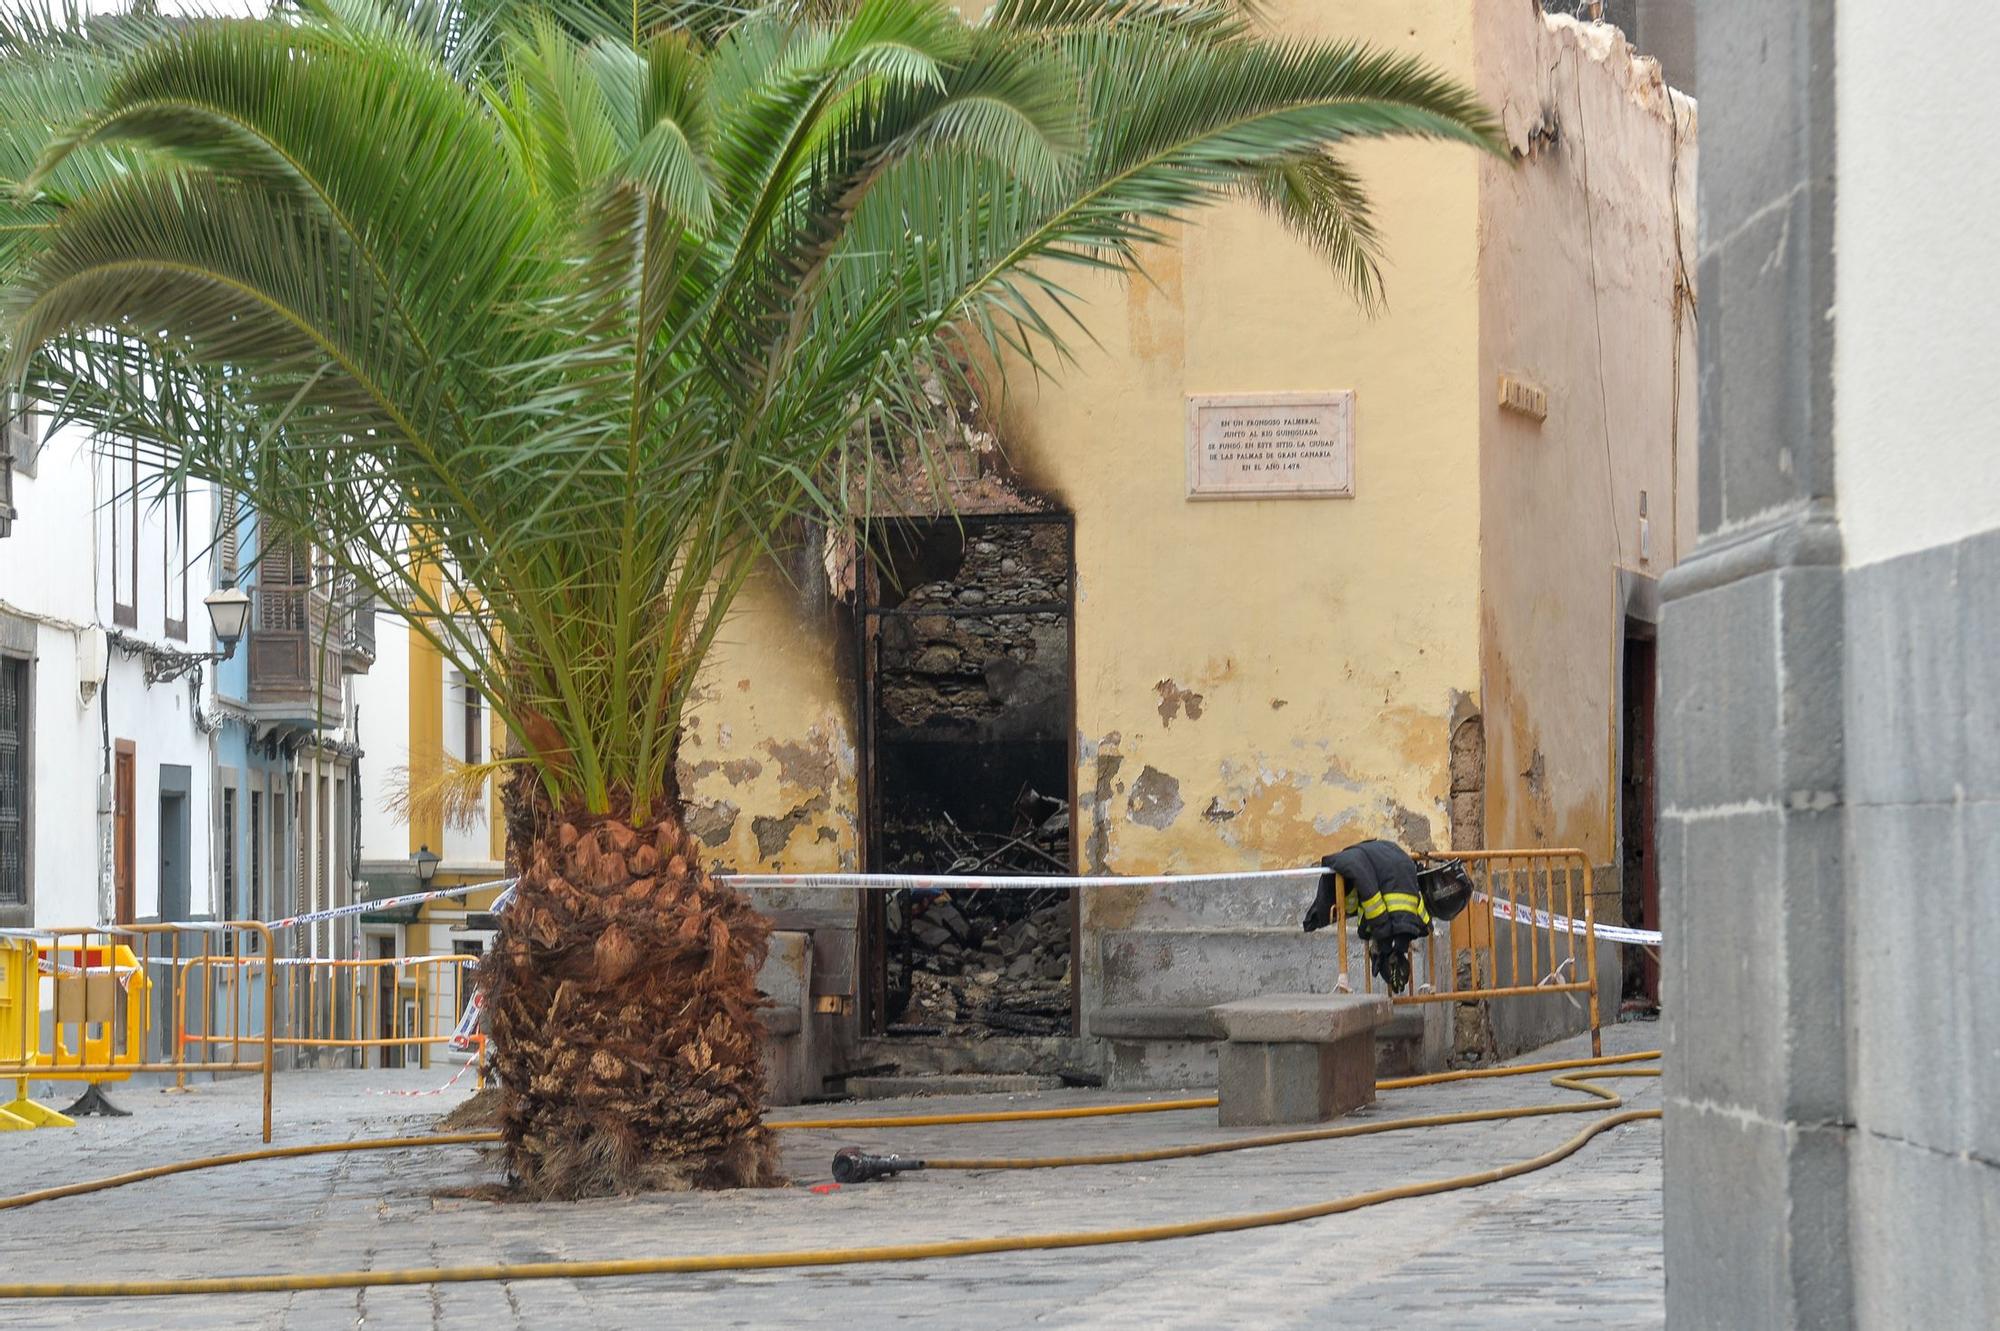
(1447, 888)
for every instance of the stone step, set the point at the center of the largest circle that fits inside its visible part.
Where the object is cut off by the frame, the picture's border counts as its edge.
(962, 1083)
(1199, 967)
(917, 1055)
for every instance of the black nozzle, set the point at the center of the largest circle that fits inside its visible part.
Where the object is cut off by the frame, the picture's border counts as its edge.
(851, 1164)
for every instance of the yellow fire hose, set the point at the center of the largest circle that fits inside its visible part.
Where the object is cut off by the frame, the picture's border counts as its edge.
(903, 1252)
(1199, 1102)
(1307, 1134)
(880, 1121)
(240, 1158)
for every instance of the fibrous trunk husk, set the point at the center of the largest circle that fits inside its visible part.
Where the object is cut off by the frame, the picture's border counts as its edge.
(621, 1011)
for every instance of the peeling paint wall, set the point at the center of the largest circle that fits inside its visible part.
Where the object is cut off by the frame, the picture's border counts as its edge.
(1262, 681)
(768, 764)
(1585, 290)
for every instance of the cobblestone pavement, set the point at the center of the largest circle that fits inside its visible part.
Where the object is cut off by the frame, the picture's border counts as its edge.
(1574, 1245)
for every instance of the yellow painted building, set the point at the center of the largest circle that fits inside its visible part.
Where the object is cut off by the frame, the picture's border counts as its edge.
(416, 715)
(1257, 682)
(1452, 655)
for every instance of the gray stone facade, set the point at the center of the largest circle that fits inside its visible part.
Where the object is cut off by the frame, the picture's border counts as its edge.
(1923, 1004)
(1827, 787)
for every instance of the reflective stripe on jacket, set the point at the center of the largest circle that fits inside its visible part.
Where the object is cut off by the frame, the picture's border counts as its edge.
(1382, 893)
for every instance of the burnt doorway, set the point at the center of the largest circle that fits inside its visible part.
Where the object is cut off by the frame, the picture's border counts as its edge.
(968, 699)
(1640, 872)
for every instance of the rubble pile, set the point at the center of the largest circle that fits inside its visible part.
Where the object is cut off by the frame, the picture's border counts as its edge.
(981, 962)
(982, 675)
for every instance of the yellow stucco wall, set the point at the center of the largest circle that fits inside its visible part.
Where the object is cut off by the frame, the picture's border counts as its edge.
(425, 740)
(768, 760)
(1327, 638)
(1579, 264)
(1261, 681)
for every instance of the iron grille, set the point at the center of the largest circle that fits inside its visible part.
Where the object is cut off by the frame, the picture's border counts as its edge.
(13, 781)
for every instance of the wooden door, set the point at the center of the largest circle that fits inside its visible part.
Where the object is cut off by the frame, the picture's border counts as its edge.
(125, 769)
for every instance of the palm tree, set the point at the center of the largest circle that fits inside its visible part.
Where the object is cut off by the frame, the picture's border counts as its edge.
(560, 317)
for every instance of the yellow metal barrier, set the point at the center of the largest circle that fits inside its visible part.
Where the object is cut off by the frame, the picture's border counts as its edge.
(391, 1005)
(1537, 892)
(20, 1028)
(96, 985)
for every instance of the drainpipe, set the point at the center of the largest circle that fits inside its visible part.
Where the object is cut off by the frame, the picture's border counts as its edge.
(107, 889)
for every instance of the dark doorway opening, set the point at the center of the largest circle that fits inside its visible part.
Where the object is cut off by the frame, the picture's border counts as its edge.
(382, 948)
(1640, 867)
(968, 695)
(176, 897)
(175, 890)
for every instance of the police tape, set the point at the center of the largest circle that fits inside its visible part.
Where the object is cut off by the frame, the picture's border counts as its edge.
(905, 882)
(1609, 933)
(252, 960)
(64, 971)
(888, 882)
(293, 921)
(436, 1090)
(389, 903)
(466, 1033)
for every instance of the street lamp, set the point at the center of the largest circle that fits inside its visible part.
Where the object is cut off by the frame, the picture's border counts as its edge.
(426, 861)
(228, 615)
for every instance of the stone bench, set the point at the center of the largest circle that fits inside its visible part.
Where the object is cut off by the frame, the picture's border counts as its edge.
(1297, 1058)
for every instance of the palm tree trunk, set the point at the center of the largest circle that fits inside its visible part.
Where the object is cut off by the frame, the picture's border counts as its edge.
(622, 1010)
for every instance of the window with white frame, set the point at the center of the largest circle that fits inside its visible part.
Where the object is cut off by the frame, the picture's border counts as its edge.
(123, 497)
(174, 558)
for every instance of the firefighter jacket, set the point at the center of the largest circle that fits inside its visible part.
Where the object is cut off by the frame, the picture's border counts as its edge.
(1382, 893)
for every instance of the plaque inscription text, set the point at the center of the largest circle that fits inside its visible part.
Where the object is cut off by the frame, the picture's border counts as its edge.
(1264, 445)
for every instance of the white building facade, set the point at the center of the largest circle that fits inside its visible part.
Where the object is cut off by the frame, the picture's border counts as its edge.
(111, 780)
(138, 781)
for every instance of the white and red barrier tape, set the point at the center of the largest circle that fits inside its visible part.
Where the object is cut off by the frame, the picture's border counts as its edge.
(389, 903)
(466, 1034)
(311, 917)
(892, 882)
(254, 960)
(437, 1090)
(889, 882)
(885, 882)
(1609, 933)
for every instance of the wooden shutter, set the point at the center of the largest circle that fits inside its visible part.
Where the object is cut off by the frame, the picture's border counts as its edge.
(228, 543)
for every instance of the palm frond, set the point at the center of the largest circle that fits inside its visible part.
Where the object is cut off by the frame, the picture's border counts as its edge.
(548, 323)
(454, 795)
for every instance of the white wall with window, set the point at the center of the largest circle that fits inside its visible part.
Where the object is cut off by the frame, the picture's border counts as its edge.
(467, 725)
(382, 704)
(153, 566)
(52, 664)
(464, 734)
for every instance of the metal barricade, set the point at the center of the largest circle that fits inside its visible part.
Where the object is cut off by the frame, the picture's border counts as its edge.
(108, 1001)
(394, 1006)
(20, 1032)
(1536, 895)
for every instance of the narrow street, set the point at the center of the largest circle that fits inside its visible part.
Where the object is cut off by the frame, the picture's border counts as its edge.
(1577, 1244)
